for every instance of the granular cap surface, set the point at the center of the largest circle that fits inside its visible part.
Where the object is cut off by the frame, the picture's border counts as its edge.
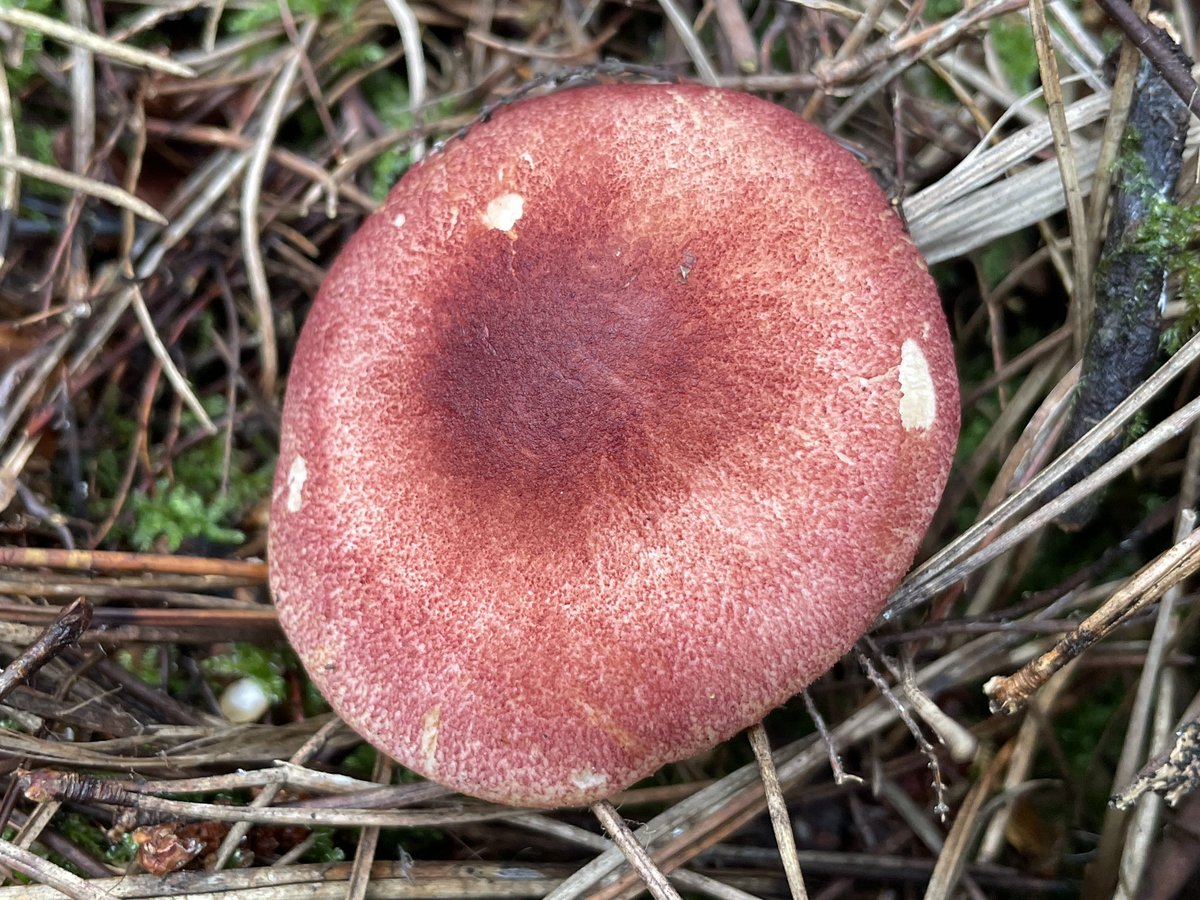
(610, 431)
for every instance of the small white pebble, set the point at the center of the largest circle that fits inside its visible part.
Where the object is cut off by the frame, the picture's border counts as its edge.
(244, 701)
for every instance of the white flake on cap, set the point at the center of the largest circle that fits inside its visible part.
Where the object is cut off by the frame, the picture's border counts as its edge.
(431, 723)
(586, 779)
(297, 475)
(918, 401)
(504, 212)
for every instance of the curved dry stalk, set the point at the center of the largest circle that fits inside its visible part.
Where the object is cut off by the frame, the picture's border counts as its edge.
(10, 183)
(260, 293)
(687, 36)
(414, 59)
(174, 376)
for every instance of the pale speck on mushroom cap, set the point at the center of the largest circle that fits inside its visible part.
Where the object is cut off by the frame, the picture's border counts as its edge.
(587, 780)
(597, 511)
(297, 475)
(918, 398)
(431, 722)
(504, 212)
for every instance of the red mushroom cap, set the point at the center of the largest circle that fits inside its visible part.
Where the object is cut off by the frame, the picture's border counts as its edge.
(608, 433)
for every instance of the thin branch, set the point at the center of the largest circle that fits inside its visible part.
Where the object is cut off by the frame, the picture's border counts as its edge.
(45, 872)
(1150, 41)
(687, 35)
(655, 881)
(66, 628)
(122, 53)
(256, 275)
(110, 193)
(1065, 154)
(174, 376)
(781, 824)
(1010, 694)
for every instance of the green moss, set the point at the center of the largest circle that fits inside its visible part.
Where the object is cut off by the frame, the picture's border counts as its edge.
(175, 513)
(35, 137)
(937, 10)
(20, 74)
(190, 503)
(1013, 41)
(250, 20)
(323, 849)
(1172, 232)
(1167, 235)
(144, 663)
(83, 832)
(386, 171)
(361, 56)
(1001, 256)
(310, 698)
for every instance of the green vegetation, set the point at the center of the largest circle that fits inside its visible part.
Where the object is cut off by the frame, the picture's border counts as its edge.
(1012, 39)
(1169, 235)
(35, 137)
(20, 68)
(189, 502)
(1000, 257)
(249, 21)
(177, 512)
(142, 661)
(937, 10)
(323, 849)
(82, 831)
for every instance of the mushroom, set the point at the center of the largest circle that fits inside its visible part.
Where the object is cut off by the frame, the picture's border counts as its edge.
(609, 432)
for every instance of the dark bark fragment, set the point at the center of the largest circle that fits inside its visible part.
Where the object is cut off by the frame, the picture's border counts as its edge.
(1131, 278)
